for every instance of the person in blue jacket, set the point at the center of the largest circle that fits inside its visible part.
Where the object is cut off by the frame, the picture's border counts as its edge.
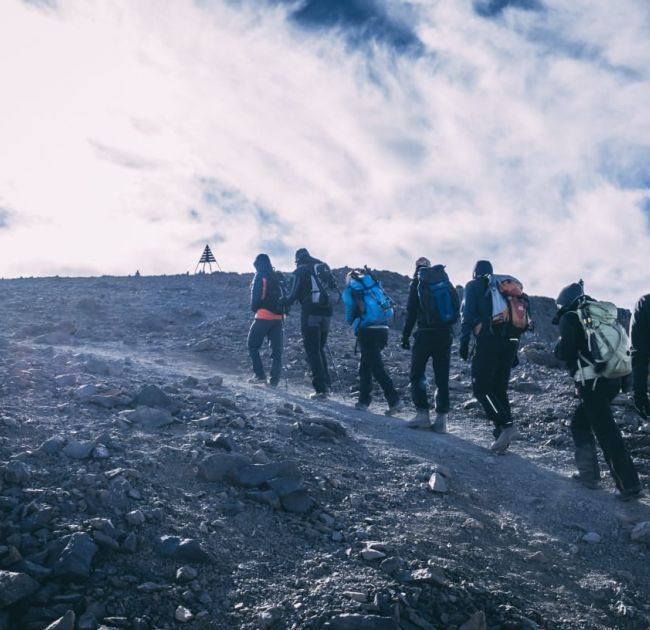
(370, 324)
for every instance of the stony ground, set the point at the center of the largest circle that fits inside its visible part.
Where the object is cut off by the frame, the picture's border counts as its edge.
(144, 484)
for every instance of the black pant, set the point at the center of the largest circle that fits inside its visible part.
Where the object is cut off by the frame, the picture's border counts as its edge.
(594, 417)
(315, 329)
(271, 329)
(434, 345)
(371, 342)
(491, 365)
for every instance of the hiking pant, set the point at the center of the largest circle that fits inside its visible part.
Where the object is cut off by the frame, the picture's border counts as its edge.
(491, 365)
(315, 329)
(434, 345)
(371, 342)
(271, 329)
(593, 417)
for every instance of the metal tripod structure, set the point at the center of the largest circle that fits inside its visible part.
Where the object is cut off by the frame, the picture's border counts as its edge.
(207, 258)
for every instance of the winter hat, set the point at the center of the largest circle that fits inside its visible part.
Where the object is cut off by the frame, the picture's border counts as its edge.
(422, 262)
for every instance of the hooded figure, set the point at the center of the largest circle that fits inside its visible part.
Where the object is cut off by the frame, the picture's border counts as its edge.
(315, 318)
(592, 420)
(267, 304)
(433, 340)
(495, 353)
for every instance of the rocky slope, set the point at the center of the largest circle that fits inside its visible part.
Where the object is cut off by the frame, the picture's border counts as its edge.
(144, 484)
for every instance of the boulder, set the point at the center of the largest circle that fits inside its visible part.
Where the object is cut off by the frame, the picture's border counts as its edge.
(216, 467)
(153, 396)
(79, 449)
(258, 474)
(148, 417)
(14, 587)
(76, 558)
(641, 532)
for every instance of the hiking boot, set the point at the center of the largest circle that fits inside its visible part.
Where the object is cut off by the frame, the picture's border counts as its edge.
(501, 444)
(272, 383)
(421, 420)
(587, 482)
(257, 380)
(361, 406)
(318, 396)
(394, 408)
(440, 424)
(629, 495)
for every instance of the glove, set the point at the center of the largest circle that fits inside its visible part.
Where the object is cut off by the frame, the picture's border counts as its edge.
(406, 343)
(463, 350)
(641, 404)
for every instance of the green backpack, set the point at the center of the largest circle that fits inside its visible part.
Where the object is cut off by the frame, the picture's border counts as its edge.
(607, 341)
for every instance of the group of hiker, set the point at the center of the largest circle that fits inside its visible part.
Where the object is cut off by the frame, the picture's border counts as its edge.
(493, 314)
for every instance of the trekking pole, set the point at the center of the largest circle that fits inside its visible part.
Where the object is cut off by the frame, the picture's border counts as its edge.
(336, 372)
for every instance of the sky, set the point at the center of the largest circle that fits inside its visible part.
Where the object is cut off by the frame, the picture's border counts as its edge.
(369, 131)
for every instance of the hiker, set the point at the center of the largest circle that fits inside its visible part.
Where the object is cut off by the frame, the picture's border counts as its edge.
(314, 287)
(368, 310)
(640, 337)
(582, 320)
(266, 303)
(495, 311)
(434, 304)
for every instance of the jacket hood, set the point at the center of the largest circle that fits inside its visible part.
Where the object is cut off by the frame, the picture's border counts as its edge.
(482, 268)
(302, 256)
(263, 264)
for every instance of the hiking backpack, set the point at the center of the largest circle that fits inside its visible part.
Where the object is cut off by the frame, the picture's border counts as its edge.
(509, 302)
(323, 284)
(276, 294)
(374, 306)
(436, 295)
(607, 342)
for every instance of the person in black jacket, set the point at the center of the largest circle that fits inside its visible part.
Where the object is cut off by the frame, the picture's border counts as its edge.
(315, 320)
(432, 341)
(494, 355)
(593, 415)
(268, 323)
(640, 337)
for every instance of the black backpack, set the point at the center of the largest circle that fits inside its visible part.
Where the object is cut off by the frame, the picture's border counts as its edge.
(436, 294)
(276, 294)
(323, 285)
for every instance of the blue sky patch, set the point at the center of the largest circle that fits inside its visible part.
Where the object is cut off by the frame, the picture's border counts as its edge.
(627, 166)
(494, 8)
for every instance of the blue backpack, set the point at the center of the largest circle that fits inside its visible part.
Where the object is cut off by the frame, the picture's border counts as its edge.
(373, 305)
(436, 295)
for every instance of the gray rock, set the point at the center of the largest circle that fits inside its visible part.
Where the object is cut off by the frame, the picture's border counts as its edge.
(110, 399)
(76, 559)
(186, 574)
(182, 550)
(220, 441)
(65, 380)
(298, 502)
(592, 538)
(148, 417)
(79, 449)
(135, 518)
(348, 621)
(258, 474)
(437, 483)
(14, 587)
(153, 396)
(17, 472)
(85, 392)
(475, 622)
(216, 467)
(641, 532)
(63, 623)
(52, 445)
(130, 544)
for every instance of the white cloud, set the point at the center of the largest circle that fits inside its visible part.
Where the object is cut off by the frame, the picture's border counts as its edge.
(120, 117)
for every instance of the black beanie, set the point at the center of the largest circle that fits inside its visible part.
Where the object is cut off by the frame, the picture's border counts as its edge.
(482, 268)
